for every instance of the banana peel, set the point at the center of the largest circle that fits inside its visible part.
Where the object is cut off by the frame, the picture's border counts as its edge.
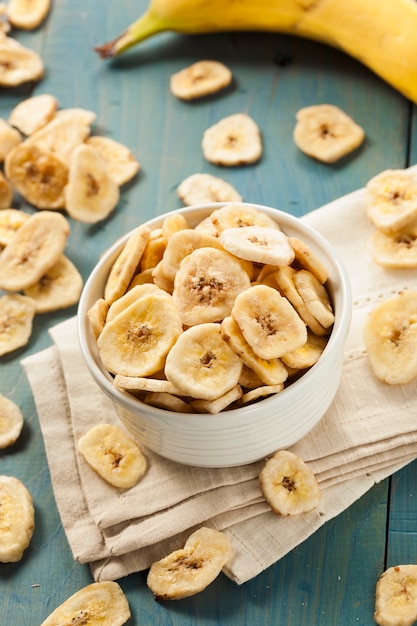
(380, 35)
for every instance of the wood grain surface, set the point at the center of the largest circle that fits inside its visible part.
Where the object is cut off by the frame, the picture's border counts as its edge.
(329, 579)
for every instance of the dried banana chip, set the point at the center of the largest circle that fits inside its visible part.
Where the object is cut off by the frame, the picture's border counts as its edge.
(205, 188)
(395, 250)
(268, 322)
(19, 65)
(17, 519)
(9, 138)
(27, 14)
(35, 248)
(200, 363)
(16, 318)
(308, 260)
(61, 136)
(114, 456)
(191, 569)
(396, 596)
(59, 288)
(91, 193)
(259, 244)
(33, 113)
(97, 316)
(315, 297)
(121, 164)
(180, 245)
(39, 176)
(137, 340)
(234, 140)
(288, 484)
(167, 401)
(219, 404)
(200, 79)
(390, 336)
(260, 392)
(11, 422)
(239, 215)
(100, 604)
(75, 115)
(136, 383)
(6, 194)
(391, 200)
(326, 133)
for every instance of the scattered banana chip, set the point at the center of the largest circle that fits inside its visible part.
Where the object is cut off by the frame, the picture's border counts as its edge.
(17, 519)
(391, 200)
(288, 484)
(38, 175)
(33, 113)
(390, 337)
(234, 140)
(11, 422)
(200, 79)
(395, 250)
(396, 596)
(62, 135)
(59, 288)
(16, 318)
(113, 455)
(19, 65)
(34, 249)
(205, 188)
(91, 193)
(191, 569)
(201, 364)
(6, 194)
(326, 133)
(102, 603)
(203, 328)
(27, 14)
(9, 138)
(121, 165)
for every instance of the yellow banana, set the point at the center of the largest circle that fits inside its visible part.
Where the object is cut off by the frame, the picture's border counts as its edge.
(381, 35)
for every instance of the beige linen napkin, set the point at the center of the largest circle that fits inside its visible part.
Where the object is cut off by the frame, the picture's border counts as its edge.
(367, 434)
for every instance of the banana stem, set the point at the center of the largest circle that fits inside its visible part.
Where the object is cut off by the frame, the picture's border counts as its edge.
(146, 26)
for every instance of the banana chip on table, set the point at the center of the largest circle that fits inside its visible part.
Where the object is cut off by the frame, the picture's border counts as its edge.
(396, 596)
(114, 456)
(288, 484)
(234, 140)
(91, 193)
(120, 162)
(59, 288)
(11, 422)
(17, 519)
(390, 337)
(9, 138)
(6, 194)
(16, 319)
(34, 249)
(190, 569)
(38, 175)
(19, 65)
(33, 113)
(205, 188)
(27, 14)
(101, 604)
(391, 200)
(326, 133)
(200, 79)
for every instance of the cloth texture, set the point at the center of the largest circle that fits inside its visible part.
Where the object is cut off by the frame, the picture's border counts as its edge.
(368, 433)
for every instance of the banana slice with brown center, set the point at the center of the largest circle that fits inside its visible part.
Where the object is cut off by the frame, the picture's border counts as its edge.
(190, 569)
(17, 519)
(201, 364)
(234, 140)
(396, 596)
(200, 79)
(288, 484)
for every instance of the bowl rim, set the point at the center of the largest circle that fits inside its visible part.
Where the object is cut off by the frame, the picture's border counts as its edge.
(132, 404)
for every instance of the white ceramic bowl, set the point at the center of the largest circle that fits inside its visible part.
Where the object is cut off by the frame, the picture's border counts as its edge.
(238, 436)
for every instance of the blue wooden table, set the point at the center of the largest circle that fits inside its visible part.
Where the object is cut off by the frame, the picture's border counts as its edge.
(329, 579)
